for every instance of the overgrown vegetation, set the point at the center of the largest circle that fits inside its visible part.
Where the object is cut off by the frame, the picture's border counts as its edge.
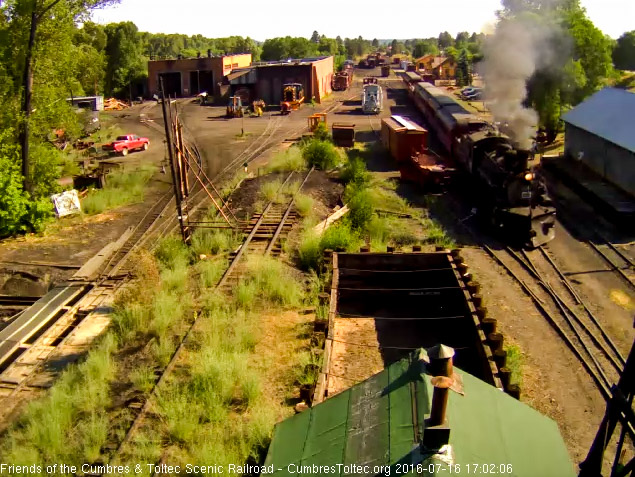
(321, 154)
(286, 161)
(515, 364)
(375, 217)
(121, 188)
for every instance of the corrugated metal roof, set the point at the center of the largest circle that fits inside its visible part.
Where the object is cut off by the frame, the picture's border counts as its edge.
(610, 114)
(376, 423)
(237, 73)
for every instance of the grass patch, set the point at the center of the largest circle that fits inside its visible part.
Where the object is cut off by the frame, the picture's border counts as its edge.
(172, 253)
(515, 363)
(310, 251)
(287, 161)
(214, 241)
(271, 190)
(121, 188)
(304, 204)
(143, 379)
(210, 272)
(270, 281)
(68, 423)
(232, 184)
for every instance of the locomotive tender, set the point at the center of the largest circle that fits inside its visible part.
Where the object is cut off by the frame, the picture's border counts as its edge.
(509, 192)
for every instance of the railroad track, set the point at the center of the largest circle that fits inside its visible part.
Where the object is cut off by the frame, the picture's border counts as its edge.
(616, 259)
(119, 262)
(566, 312)
(266, 230)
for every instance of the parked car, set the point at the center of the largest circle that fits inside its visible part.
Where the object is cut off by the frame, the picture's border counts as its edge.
(474, 94)
(124, 144)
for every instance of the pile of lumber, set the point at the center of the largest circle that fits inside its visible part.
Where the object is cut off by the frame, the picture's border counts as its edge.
(113, 104)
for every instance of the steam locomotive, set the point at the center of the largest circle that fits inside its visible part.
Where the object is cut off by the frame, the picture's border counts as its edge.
(509, 192)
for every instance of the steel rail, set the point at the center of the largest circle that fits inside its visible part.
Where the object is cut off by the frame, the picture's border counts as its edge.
(590, 314)
(604, 390)
(286, 216)
(566, 311)
(612, 264)
(569, 315)
(251, 235)
(144, 409)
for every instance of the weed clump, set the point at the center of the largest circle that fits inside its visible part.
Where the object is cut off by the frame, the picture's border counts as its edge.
(287, 161)
(214, 242)
(121, 188)
(321, 154)
(303, 204)
(271, 190)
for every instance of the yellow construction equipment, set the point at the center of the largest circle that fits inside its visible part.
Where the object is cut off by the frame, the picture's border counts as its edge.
(235, 107)
(258, 107)
(316, 119)
(292, 97)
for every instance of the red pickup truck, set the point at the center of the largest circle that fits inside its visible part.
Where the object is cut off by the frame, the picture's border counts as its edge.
(125, 144)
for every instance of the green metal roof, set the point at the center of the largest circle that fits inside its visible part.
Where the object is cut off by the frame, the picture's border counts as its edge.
(380, 421)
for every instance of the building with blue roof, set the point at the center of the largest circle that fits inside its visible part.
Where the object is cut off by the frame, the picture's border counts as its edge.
(600, 132)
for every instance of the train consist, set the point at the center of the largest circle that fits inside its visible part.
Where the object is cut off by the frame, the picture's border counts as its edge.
(372, 96)
(509, 192)
(343, 79)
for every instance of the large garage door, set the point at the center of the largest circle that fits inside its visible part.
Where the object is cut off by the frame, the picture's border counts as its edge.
(172, 83)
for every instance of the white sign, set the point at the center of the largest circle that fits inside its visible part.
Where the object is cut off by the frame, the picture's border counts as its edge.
(66, 203)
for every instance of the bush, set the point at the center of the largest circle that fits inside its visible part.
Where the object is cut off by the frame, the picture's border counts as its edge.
(321, 132)
(355, 172)
(339, 236)
(321, 154)
(310, 252)
(361, 210)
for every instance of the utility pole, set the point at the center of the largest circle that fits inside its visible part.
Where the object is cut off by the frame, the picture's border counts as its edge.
(175, 175)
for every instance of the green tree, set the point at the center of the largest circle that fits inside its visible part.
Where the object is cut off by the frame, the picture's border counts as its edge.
(425, 47)
(126, 64)
(624, 52)
(27, 19)
(445, 40)
(328, 46)
(274, 49)
(375, 43)
(395, 47)
(464, 70)
(462, 39)
(591, 48)
(315, 38)
(14, 203)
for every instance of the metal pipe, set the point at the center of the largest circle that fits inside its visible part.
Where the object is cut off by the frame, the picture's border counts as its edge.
(438, 412)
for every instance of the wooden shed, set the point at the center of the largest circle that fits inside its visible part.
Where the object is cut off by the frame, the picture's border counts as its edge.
(403, 137)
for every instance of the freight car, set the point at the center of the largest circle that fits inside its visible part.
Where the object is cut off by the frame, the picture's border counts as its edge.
(509, 192)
